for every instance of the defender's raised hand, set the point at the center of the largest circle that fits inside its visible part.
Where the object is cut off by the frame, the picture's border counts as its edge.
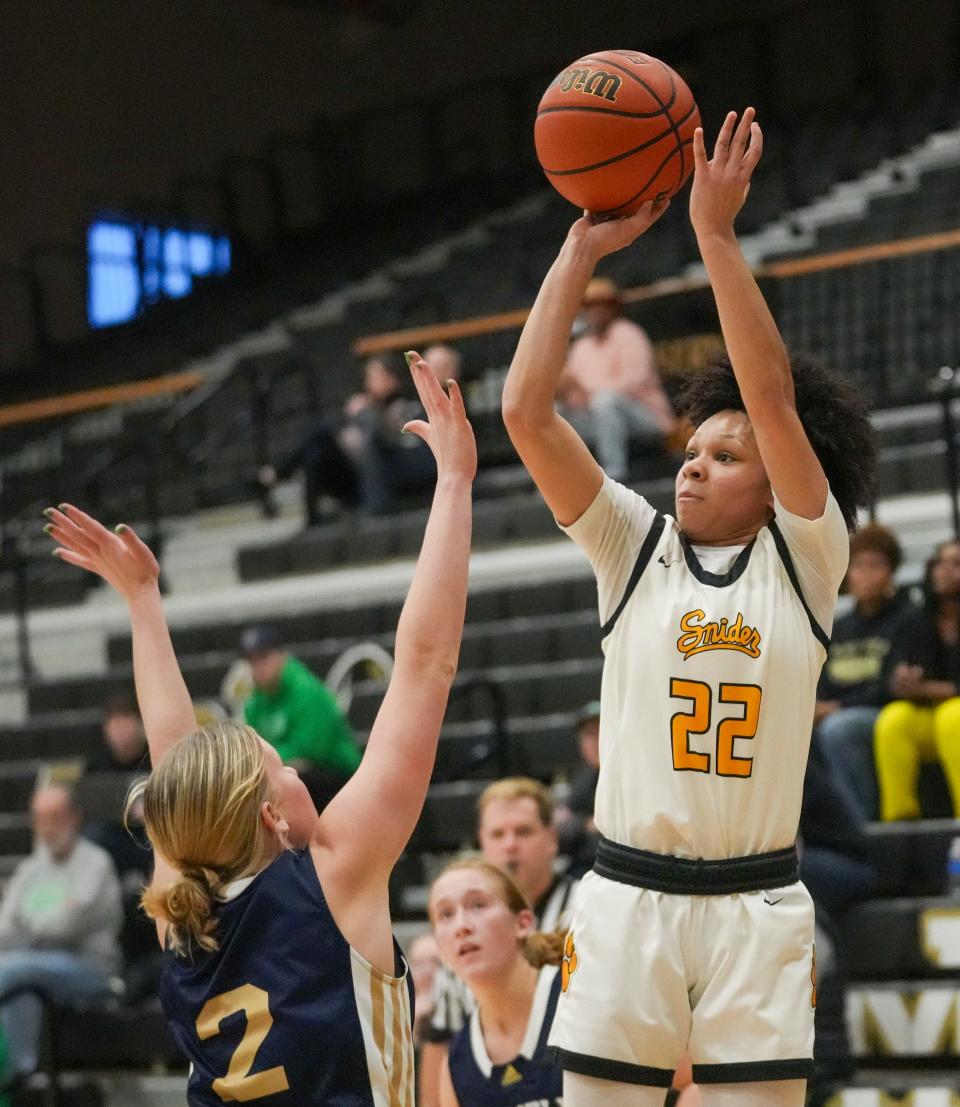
(720, 185)
(446, 430)
(119, 557)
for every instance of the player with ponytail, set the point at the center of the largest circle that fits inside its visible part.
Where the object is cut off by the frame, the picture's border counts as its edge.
(282, 980)
(484, 927)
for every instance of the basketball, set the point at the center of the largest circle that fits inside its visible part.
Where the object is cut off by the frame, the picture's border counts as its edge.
(614, 130)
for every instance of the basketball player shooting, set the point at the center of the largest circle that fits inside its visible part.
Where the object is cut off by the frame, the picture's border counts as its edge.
(693, 933)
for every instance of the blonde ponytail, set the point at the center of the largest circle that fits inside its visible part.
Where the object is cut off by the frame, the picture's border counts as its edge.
(201, 810)
(187, 905)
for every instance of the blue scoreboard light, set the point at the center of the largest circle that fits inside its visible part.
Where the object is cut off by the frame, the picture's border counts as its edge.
(132, 265)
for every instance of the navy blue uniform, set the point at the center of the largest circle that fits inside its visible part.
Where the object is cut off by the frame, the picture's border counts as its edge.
(285, 1013)
(529, 1080)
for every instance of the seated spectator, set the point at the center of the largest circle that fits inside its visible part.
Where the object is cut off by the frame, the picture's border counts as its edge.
(573, 819)
(610, 390)
(444, 360)
(515, 832)
(836, 868)
(923, 722)
(123, 751)
(298, 715)
(362, 459)
(486, 933)
(855, 681)
(59, 922)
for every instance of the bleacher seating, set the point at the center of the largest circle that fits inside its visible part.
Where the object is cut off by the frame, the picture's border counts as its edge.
(530, 653)
(539, 644)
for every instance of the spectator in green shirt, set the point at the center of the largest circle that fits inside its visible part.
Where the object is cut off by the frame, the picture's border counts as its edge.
(298, 715)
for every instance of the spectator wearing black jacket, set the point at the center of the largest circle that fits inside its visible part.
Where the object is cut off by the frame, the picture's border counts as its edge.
(854, 684)
(362, 459)
(123, 751)
(836, 867)
(923, 722)
(574, 817)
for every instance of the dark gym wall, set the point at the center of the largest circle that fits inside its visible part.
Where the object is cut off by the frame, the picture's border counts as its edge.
(106, 100)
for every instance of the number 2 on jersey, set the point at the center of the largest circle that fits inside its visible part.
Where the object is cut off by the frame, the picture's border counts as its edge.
(699, 718)
(238, 1086)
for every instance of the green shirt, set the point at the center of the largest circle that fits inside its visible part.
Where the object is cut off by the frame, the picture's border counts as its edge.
(300, 718)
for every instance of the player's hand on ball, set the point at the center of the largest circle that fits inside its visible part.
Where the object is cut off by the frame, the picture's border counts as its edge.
(446, 430)
(119, 556)
(606, 236)
(720, 185)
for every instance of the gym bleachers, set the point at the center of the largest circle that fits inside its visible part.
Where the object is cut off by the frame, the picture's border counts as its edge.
(539, 645)
(530, 655)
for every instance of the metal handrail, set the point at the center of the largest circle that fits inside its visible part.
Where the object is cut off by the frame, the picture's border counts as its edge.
(482, 754)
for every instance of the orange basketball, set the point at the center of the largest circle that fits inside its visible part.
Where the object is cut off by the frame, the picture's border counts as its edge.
(616, 129)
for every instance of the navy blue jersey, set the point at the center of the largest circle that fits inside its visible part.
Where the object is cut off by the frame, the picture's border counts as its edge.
(285, 1013)
(529, 1080)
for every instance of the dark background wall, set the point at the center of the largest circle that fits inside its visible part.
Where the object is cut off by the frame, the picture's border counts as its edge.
(148, 106)
(106, 100)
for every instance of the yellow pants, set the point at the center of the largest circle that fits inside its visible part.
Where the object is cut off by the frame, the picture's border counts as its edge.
(905, 735)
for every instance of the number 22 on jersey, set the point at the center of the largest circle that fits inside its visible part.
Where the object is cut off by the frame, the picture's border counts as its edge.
(697, 719)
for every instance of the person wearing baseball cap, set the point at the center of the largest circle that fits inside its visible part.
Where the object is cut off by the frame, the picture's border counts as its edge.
(297, 714)
(610, 389)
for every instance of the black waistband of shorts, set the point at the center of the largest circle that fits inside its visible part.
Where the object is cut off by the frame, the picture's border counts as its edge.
(685, 876)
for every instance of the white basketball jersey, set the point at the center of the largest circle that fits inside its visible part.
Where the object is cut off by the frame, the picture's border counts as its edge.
(710, 678)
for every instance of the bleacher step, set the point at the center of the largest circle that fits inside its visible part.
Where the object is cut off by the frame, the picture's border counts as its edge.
(912, 1091)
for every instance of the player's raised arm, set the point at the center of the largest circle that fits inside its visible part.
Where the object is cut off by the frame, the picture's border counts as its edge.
(368, 824)
(127, 564)
(756, 350)
(557, 458)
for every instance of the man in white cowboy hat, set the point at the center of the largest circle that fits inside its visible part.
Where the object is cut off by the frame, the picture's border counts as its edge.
(611, 390)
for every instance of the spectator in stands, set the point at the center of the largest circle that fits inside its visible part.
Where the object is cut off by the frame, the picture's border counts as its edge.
(298, 715)
(123, 751)
(855, 681)
(923, 722)
(423, 957)
(487, 935)
(363, 459)
(444, 360)
(59, 922)
(124, 746)
(610, 389)
(837, 870)
(516, 833)
(574, 818)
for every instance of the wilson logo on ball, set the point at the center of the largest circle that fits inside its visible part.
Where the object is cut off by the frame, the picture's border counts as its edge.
(595, 82)
(615, 129)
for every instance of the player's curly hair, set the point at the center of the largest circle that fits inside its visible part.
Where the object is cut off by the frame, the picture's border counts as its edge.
(830, 410)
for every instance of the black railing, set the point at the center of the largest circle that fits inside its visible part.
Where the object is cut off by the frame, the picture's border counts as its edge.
(494, 751)
(946, 387)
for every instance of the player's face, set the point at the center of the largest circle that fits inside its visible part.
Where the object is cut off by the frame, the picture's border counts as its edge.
(869, 577)
(513, 837)
(290, 797)
(723, 495)
(478, 934)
